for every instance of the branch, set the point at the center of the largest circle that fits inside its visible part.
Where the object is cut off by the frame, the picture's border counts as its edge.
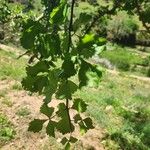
(69, 46)
(140, 16)
(100, 13)
(68, 114)
(70, 25)
(27, 52)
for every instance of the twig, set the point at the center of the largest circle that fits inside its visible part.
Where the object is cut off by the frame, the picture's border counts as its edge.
(70, 26)
(140, 16)
(100, 13)
(23, 54)
(68, 114)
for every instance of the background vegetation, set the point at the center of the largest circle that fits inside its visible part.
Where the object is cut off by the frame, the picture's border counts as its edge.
(118, 102)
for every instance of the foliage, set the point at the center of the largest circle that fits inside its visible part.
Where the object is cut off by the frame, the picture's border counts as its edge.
(6, 130)
(121, 106)
(148, 72)
(9, 67)
(60, 45)
(11, 17)
(23, 112)
(56, 57)
(124, 58)
(122, 27)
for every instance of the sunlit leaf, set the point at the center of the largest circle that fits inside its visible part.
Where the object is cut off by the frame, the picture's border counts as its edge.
(66, 89)
(79, 105)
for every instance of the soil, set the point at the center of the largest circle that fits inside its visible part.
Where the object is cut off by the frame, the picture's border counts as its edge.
(25, 140)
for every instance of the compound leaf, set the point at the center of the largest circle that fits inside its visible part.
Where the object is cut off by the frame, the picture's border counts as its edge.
(88, 123)
(36, 125)
(66, 89)
(64, 125)
(79, 105)
(68, 69)
(48, 111)
(50, 129)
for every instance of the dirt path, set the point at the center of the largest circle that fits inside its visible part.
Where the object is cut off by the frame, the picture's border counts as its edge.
(25, 140)
(18, 53)
(10, 49)
(145, 79)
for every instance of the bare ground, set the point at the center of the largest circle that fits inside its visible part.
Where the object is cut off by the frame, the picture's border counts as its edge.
(25, 140)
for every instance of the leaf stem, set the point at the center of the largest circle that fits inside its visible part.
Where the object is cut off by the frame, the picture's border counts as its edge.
(70, 26)
(68, 114)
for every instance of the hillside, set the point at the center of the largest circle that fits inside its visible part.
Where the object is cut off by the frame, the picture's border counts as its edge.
(74, 75)
(119, 107)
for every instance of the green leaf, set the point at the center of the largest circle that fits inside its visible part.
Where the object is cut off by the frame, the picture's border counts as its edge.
(73, 139)
(66, 89)
(57, 15)
(82, 73)
(79, 105)
(68, 146)
(94, 76)
(85, 125)
(88, 38)
(30, 30)
(83, 129)
(27, 83)
(52, 84)
(93, 80)
(49, 45)
(63, 125)
(82, 20)
(77, 118)
(50, 129)
(64, 42)
(88, 123)
(28, 39)
(64, 140)
(34, 84)
(36, 125)
(86, 46)
(68, 69)
(48, 111)
(89, 74)
(40, 66)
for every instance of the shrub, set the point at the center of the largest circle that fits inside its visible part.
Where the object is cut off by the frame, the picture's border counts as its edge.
(122, 65)
(122, 28)
(148, 72)
(6, 130)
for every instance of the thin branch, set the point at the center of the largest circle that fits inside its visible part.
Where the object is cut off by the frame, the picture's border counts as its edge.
(139, 9)
(27, 52)
(100, 13)
(70, 26)
(68, 114)
(69, 46)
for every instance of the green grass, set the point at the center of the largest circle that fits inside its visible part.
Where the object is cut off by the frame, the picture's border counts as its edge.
(121, 105)
(3, 93)
(17, 86)
(23, 112)
(124, 59)
(7, 131)
(10, 66)
(6, 101)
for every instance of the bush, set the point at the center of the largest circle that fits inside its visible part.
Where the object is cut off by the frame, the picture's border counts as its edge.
(122, 28)
(122, 65)
(148, 72)
(121, 58)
